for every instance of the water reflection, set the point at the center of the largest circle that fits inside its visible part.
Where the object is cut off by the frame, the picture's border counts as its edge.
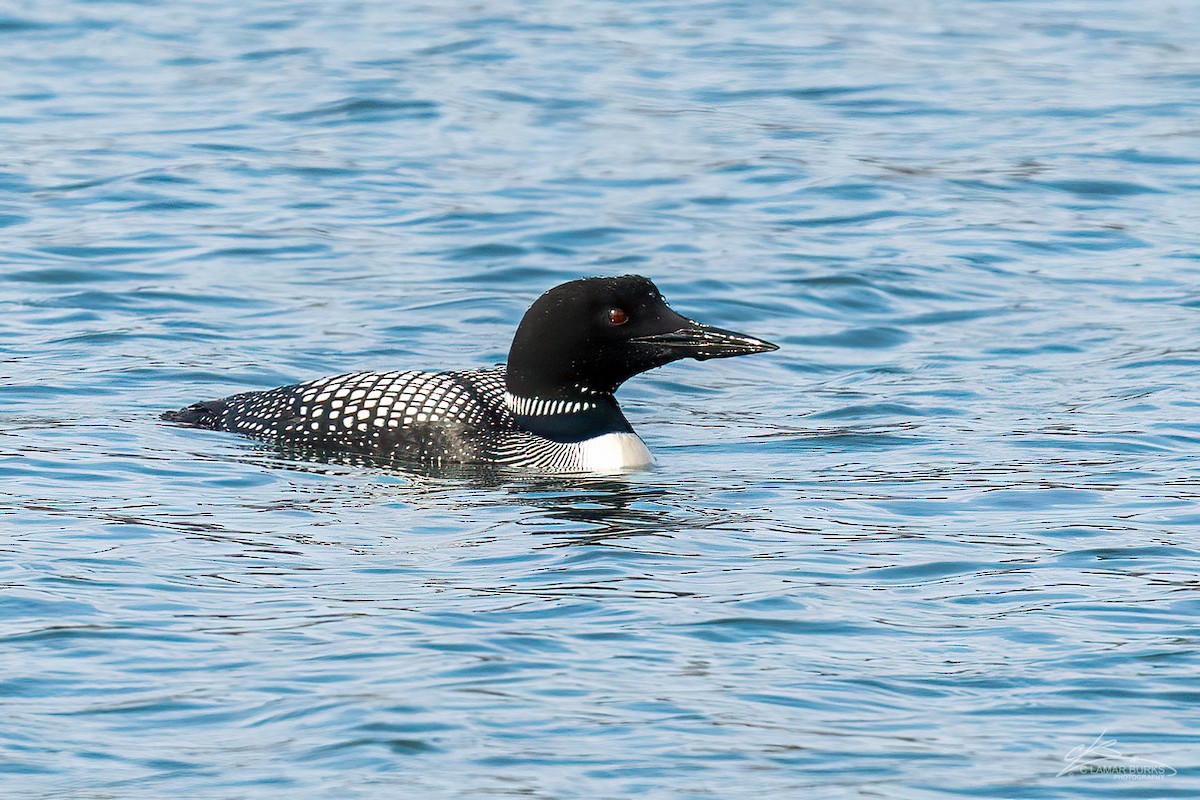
(593, 511)
(564, 509)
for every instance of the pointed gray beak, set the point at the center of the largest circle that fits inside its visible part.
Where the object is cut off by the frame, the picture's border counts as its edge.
(702, 342)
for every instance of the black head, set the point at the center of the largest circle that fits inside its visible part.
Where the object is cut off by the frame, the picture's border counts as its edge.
(589, 336)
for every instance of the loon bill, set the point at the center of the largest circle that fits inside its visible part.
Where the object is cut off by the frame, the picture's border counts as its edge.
(551, 409)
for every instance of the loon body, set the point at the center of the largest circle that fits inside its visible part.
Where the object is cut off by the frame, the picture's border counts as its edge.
(551, 408)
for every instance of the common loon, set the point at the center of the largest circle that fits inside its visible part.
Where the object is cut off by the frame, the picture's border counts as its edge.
(551, 409)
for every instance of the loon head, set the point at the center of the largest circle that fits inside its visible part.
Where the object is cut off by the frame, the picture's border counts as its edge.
(589, 336)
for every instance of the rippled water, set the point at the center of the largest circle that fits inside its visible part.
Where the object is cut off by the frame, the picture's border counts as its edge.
(941, 538)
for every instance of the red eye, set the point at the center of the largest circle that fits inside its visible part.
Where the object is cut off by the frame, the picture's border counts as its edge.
(617, 316)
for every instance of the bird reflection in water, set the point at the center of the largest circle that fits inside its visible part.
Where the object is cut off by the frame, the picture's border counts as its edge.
(568, 509)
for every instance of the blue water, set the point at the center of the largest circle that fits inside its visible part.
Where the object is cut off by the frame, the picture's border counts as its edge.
(943, 537)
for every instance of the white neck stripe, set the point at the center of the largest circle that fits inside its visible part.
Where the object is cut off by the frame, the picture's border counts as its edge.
(541, 407)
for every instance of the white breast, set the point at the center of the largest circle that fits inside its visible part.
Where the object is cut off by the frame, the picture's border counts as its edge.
(614, 451)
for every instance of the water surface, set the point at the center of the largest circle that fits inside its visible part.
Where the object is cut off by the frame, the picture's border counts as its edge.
(940, 539)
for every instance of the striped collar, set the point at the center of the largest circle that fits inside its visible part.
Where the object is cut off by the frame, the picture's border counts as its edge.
(543, 407)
